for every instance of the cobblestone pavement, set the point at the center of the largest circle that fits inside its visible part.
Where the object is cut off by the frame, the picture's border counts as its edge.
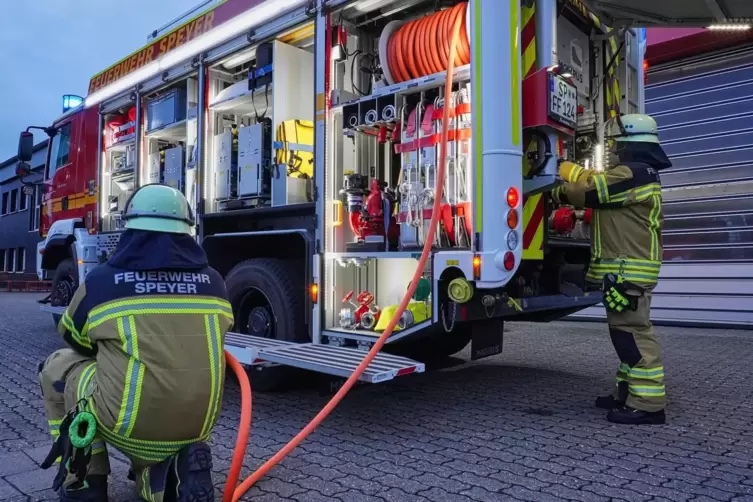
(515, 427)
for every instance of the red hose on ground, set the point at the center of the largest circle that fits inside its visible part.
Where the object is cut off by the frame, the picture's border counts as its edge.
(243, 432)
(232, 494)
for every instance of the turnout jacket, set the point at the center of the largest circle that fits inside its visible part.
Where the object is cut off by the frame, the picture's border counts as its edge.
(627, 219)
(153, 318)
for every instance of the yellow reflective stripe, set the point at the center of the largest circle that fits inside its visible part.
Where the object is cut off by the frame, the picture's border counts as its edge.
(80, 339)
(596, 235)
(645, 391)
(575, 173)
(86, 377)
(654, 226)
(477, 114)
(602, 190)
(146, 306)
(211, 329)
(514, 71)
(141, 301)
(134, 378)
(640, 194)
(648, 373)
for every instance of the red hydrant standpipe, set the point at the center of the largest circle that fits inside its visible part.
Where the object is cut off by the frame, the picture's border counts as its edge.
(232, 494)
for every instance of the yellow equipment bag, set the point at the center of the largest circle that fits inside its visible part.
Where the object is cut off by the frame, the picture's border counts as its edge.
(299, 164)
(419, 311)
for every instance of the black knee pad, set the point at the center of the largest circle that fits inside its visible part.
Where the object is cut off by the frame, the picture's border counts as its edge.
(624, 344)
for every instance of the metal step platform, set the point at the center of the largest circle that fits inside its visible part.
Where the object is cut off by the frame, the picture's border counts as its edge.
(52, 310)
(337, 361)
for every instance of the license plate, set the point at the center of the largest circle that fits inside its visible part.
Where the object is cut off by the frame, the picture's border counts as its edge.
(563, 101)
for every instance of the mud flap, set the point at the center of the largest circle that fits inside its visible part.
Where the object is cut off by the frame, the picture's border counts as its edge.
(486, 338)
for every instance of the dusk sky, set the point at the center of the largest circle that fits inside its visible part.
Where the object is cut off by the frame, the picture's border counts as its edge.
(52, 47)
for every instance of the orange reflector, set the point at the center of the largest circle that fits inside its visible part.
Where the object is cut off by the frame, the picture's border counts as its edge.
(81, 262)
(476, 267)
(509, 261)
(512, 218)
(314, 292)
(337, 217)
(513, 197)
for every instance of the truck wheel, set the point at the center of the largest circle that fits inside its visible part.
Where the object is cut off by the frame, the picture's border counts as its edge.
(267, 302)
(436, 345)
(63, 286)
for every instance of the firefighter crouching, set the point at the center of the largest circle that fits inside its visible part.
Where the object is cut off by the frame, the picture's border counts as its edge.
(146, 368)
(626, 255)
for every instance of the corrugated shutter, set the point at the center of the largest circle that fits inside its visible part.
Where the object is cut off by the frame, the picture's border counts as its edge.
(704, 108)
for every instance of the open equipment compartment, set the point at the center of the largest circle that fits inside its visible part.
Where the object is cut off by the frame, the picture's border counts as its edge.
(119, 165)
(382, 159)
(260, 142)
(171, 136)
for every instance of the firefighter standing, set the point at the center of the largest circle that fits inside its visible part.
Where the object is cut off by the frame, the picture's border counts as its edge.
(626, 254)
(146, 368)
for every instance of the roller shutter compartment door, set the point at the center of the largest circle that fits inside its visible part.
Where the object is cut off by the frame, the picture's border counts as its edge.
(704, 109)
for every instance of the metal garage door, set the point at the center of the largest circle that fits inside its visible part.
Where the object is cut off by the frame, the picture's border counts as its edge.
(704, 108)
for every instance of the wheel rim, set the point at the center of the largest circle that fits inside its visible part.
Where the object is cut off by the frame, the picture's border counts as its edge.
(63, 292)
(260, 315)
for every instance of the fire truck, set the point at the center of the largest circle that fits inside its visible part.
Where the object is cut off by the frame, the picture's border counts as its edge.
(306, 137)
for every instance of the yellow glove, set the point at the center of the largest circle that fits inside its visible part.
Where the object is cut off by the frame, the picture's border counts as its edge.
(570, 172)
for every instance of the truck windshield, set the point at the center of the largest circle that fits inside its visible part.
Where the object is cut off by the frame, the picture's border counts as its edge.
(60, 150)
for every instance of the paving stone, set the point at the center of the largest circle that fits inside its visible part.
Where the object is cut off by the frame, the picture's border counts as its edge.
(518, 426)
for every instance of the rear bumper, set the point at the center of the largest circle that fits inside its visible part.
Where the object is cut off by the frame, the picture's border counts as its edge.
(535, 308)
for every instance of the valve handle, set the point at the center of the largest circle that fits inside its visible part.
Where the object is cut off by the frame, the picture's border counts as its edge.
(348, 296)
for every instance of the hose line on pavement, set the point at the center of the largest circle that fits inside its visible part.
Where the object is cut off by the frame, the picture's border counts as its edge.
(453, 18)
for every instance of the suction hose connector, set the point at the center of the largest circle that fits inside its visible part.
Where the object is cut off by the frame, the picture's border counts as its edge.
(460, 290)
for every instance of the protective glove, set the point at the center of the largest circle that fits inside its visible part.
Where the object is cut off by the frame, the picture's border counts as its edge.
(570, 171)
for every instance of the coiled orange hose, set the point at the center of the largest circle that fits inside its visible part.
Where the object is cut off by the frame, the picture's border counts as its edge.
(232, 494)
(422, 46)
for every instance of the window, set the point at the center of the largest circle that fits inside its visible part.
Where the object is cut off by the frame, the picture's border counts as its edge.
(34, 202)
(60, 151)
(5, 203)
(3, 260)
(21, 260)
(23, 203)
(14, 200)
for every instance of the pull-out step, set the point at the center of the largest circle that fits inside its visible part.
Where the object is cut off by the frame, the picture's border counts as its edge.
(337, 361)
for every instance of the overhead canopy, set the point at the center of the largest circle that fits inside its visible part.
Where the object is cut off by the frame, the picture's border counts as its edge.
(646, 13)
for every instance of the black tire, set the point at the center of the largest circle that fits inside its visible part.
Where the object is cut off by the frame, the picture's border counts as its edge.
(436, 345)
(64, 283)
(268, 302)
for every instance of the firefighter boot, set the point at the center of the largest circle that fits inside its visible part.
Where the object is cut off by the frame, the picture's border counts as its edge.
(613, 401)
(94, 490)
(630, 416)
(193, 470)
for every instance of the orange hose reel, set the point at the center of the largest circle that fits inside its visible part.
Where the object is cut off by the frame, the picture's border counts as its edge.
(421, 47)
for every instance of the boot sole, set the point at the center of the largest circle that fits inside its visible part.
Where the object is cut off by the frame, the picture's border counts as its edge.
(658, 420)
(195, 474)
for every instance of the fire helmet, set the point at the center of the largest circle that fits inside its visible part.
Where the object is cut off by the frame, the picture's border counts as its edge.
(159, 208)
(632, 128)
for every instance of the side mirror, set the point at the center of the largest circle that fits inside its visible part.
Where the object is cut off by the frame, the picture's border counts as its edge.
(23, 170)
(25, 146)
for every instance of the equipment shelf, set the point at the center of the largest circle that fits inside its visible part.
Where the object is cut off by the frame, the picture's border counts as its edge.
(249, 102)
(122, 145)
(411, 86)
(365, 335)
(174, 132)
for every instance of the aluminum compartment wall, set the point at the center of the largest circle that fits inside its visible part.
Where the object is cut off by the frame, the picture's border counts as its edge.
(704, 108)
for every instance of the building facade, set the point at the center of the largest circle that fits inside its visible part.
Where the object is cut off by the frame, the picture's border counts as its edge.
(700, 91)
(19, 217)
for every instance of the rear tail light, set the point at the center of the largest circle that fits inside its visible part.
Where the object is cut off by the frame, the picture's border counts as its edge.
(513, 197)
(509, 261)
(512, 218)
(314, 292)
